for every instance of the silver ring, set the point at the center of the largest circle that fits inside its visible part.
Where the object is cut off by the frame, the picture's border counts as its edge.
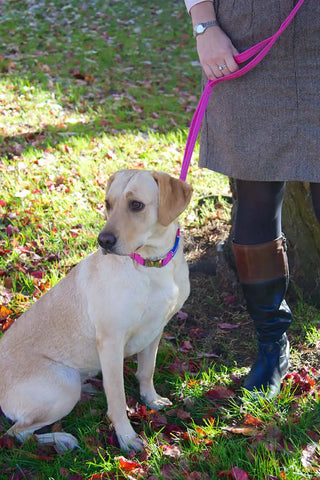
(221, 67)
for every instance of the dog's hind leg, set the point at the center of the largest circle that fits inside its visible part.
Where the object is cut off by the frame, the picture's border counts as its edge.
(146, 366)
(41, 401)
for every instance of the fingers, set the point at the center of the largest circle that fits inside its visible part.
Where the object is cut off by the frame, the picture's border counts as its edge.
(219, 69)
(216, 53)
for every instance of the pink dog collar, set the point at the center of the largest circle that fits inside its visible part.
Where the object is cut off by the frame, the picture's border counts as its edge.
(159, 262)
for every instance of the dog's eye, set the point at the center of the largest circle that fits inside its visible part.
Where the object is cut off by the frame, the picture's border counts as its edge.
(134, 205)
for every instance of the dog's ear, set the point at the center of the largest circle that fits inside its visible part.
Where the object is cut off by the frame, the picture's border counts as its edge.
(110, 180)
(174, 196)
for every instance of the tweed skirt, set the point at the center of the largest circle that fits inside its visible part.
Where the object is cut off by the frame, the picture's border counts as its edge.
(266, 125)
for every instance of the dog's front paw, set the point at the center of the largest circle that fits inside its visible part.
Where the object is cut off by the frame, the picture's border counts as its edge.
(128, 443)
(159, 402)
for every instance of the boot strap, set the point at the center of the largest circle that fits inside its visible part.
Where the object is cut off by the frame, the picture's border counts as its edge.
(263, 262)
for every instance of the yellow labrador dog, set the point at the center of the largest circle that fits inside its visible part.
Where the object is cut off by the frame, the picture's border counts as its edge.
(113, 304)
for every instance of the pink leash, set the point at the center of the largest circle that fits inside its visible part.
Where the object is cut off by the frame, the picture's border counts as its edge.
(258, 51)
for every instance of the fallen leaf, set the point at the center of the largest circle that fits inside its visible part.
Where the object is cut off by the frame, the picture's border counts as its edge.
(197, 476)
(309, 455)
(182, 315)
(235, 474)
(7, 442)
(179, 413)
(239, 474)
(248, 431)
(4, 312)
(171, 451)
(186, 346)
(157, 419)
(127, 465)
(250, 420)
(170, 472)
(220, 393)
(228, 326)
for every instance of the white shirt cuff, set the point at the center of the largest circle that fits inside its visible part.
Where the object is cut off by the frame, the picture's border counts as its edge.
(191, 3)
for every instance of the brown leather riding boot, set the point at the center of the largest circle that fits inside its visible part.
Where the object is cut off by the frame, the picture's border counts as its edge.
(264, 275)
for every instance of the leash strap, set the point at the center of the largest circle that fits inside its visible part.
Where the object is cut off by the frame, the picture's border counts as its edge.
(258, 51)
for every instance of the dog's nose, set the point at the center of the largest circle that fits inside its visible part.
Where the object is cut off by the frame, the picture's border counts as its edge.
(106, 240)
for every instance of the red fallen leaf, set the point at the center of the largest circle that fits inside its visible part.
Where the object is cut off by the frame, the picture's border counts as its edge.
(313, 435)
(37, 274)
(173, 431)
(139, 412)
(64, 472)
(235, 474)
(11, 230)
(7, 442)
(112, 439)
(301, 381)
(127, 465)
(157, 419)
(101, 476)
(229, 299)
(220, 393)
(239, 474)
(186, 346)
(228, 326)
(180, 367)
(3, 203)
(196, 476)
(195, 333)
(7, 324)
(178, 412)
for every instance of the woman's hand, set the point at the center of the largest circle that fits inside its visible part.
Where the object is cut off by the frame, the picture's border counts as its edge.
(216, 53)
(215, 49)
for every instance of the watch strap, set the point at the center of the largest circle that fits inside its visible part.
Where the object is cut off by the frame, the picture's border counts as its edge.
(203, 27)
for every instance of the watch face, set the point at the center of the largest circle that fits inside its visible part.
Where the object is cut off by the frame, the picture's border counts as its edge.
(200, 28)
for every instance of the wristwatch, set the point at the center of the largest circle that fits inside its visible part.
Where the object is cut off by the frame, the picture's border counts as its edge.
(202, 27)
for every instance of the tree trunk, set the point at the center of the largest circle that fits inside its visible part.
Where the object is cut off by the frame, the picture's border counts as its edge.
(303, 238)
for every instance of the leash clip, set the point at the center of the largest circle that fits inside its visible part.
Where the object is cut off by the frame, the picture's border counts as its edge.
(153, 263)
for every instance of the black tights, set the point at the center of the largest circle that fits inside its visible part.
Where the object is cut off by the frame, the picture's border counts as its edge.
(259, 210)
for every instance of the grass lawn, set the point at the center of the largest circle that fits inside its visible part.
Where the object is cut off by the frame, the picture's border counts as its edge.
(87, 88)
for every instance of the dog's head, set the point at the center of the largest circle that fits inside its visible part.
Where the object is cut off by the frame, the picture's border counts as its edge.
(138, 202)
